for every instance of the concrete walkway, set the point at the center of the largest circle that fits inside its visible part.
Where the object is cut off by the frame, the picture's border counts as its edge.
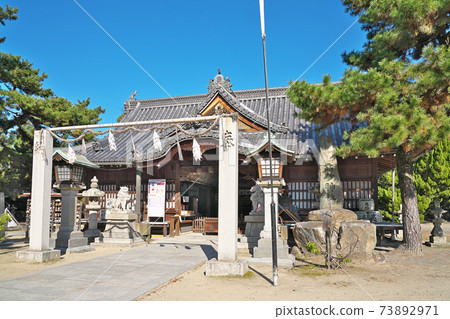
(121, 276)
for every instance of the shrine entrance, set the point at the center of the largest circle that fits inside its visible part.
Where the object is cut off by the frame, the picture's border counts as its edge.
(228, 187)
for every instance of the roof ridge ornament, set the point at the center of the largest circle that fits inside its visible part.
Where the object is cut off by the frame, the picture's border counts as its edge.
(127, 105)
(219, 83)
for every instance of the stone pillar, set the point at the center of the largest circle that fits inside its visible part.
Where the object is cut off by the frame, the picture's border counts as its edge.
(68, 238)
(39, 249)
(227, 264)
(267, 231)
(228, 189)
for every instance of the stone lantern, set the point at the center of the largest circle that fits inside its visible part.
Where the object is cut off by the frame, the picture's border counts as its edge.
(263, 250)
(69, 180)
(437, 237)
(93, 194)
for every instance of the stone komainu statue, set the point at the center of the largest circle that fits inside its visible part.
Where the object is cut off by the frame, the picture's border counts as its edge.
(123, 198)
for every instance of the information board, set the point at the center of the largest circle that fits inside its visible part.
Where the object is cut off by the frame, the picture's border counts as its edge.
(156, 198)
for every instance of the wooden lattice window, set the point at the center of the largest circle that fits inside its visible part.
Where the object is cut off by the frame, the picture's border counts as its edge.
(301, 195)
(170, 194)
(354, 190)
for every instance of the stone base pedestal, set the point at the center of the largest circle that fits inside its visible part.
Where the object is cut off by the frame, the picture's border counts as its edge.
(72, 242)
(262, 254)
(282, 262)
(254, 224)
(38, 256)
(438, 241)
(120, 229)
(91, 234)
(215, 268)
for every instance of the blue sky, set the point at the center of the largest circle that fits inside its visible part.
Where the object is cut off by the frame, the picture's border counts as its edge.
(180, 43)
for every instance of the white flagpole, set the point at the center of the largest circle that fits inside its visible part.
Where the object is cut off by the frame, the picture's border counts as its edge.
(261, 15)
(272, 204)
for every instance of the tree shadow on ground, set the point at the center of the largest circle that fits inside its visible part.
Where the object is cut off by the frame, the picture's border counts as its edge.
(13, 244)
(387, 245)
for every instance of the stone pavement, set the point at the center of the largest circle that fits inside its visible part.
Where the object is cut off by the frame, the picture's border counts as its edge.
(121, 276)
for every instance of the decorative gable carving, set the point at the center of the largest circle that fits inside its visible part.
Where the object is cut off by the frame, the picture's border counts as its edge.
(221, 99)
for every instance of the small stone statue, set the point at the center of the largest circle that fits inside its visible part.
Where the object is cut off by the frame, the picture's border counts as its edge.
(120, 204)
(257, 198)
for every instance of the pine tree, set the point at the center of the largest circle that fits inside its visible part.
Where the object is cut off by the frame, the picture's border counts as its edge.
(25, 106)
(395, 93)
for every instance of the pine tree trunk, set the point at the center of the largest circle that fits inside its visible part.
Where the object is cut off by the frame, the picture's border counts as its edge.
(410, 210)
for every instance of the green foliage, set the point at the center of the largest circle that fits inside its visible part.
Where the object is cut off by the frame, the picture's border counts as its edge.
(4, 219)
(385, 198)
(25, 105)
(432, 180)
(432, 176)
(398, 103)
(311, 247)
(395, 93)
(7, 13)
(398, 29)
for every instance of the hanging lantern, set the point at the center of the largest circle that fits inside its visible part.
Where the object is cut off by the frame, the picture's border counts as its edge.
(196, 151)
(70, 172)
(264, 168)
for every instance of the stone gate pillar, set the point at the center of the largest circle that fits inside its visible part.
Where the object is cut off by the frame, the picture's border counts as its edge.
(41, 184)
(228, 188)
(228, 203)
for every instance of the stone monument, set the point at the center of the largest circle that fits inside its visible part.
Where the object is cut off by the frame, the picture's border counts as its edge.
(93, 194)
(331, 192)
(348, 235)
(437, 237)
(120, 226)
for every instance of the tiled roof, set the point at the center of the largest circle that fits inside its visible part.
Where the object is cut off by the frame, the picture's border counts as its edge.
(291, 132)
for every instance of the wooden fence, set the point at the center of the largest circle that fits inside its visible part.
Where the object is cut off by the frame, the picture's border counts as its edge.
(198, 225)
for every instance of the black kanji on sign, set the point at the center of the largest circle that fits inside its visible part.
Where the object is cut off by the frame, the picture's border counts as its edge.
(330, 191)
(227, 140)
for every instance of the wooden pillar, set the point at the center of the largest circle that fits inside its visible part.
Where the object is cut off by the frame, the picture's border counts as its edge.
(177, 188)
(375, 182)
(208, 201)
(138, 190)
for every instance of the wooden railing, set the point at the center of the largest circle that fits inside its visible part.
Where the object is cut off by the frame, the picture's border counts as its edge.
(198, 225)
